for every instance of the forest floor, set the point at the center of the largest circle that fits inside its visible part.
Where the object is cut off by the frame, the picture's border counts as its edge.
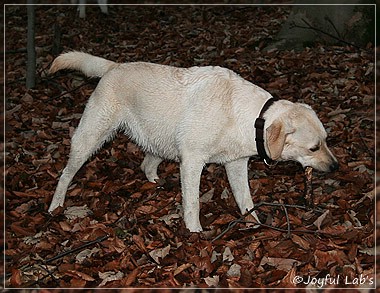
(118, 230)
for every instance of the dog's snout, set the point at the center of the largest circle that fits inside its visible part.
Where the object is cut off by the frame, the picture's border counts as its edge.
(334, 167)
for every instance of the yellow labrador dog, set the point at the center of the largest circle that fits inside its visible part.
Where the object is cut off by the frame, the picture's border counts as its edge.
(194, 115)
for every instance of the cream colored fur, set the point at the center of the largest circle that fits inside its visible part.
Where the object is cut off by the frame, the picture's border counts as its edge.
(195, 116)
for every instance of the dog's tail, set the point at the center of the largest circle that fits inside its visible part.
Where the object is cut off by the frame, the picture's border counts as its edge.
(90, 65)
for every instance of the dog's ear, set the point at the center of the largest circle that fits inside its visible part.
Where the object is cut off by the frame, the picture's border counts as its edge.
(276, 139)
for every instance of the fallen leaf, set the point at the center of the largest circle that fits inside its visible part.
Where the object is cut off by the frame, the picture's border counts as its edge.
(324, 259)
(203, 263)
(284, 264)
(289, 279)
(300, 242)
(160, 253)
(86, 253)
(181, 268)
(145, 210)
(77, 283)
(16, 280)
(234, 271)
(139, 241)
(212, 281)
(75, 212)
(206, 197)
(82, 275)
(110, 276)
(319, 222)
(32, 240)
(368, 250)
(354, 219)
(168, 219)
(131, 278)
(214, 256)
(227, 254)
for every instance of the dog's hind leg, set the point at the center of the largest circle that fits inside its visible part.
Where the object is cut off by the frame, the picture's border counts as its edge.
(191, 170)
(149, 166)
(94, 129)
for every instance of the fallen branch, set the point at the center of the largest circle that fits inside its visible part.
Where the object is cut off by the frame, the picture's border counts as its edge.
(287, 220)
(280, 229)
(86, 82)
(284, 206)
(44, 266)
(49, 273)
(333, 26)
(90, 243)
(309, 26)
(309, 195)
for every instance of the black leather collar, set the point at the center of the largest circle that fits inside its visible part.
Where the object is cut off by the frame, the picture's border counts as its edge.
(259, 125)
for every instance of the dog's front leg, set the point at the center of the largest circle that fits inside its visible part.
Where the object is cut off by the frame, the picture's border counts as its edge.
(190, 179)
(237, 173)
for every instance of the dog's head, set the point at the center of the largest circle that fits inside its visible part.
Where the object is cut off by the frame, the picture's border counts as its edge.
(297, 134)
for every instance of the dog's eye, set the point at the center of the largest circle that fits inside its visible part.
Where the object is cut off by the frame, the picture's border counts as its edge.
(314, 149)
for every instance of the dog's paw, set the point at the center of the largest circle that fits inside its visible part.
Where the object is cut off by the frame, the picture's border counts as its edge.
(151, 175)
(253, 220)
(194, 228)
(55, 205)
(55, 210)
(152, 178)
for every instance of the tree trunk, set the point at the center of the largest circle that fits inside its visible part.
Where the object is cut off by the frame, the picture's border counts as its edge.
(31, 49)
(56, 49)
(352, 24)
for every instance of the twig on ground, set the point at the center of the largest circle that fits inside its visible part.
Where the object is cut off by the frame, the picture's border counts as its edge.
(86, 81)
(44, 266)
(229, 227)
(287, 220)
(309, 195)
(49, 273)
(284, 206)
(281, 229)
(90, 243)
(333, 25)
(316, 209)
(309, 26)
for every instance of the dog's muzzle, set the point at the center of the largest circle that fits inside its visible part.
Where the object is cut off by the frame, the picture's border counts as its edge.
(334, 166)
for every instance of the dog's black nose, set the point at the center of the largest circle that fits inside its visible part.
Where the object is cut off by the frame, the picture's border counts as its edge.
(334, 167)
